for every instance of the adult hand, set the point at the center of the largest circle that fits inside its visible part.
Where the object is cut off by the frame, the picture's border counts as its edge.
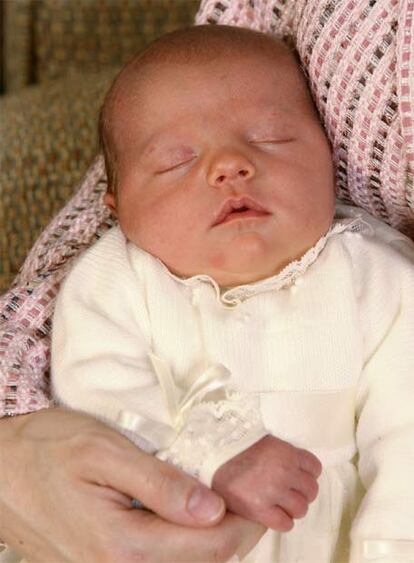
(66, 483)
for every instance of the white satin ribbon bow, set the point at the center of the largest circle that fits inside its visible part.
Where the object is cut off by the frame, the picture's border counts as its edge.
(212, 378)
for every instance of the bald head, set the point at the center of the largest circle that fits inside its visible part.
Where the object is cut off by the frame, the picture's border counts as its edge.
(198, 45)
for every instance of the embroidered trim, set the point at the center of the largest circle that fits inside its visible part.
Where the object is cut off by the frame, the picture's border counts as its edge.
(213, 428)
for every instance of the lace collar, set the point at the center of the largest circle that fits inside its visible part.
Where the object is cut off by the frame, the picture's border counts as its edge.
(287, 277)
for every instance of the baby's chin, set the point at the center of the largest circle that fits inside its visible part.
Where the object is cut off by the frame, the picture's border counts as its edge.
(248, 264)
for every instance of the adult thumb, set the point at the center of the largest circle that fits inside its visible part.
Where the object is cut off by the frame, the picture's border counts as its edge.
(161, 487)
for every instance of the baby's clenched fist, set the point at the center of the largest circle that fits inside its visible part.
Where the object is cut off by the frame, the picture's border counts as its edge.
(272, 483)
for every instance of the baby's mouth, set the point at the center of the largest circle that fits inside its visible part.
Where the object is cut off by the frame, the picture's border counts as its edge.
(241, 208)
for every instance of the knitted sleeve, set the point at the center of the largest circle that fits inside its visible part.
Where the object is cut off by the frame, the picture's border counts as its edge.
(103, 365)
(383, 529)
(26, 309)
(100, 353)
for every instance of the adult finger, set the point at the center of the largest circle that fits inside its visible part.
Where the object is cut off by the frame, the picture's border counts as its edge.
(71, 483)
(232, 536)
(161, 487)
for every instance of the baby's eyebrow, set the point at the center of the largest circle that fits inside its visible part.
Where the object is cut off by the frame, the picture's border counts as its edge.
(275, 123)
(150, 148)
(158, 141)
(280, 114)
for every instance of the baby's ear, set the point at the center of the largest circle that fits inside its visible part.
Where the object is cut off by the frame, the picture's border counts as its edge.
(109, 200)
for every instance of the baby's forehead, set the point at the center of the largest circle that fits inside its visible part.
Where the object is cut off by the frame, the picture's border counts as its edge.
(274, 54)
(212, 45)
(143, 82)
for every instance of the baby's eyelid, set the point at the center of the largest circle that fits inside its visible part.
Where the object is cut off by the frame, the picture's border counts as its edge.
(176, 165)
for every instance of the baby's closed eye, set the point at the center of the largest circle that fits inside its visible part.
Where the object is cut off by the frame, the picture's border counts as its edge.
(174, 159)
(272, 139)
(273, 132)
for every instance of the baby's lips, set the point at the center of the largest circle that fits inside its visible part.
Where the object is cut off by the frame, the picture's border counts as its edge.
(234, 204)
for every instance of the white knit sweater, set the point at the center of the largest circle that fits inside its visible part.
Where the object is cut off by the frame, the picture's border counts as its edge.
(321, 355)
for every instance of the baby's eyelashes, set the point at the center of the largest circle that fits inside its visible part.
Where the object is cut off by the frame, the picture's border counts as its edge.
(272, 141)
(168, 167)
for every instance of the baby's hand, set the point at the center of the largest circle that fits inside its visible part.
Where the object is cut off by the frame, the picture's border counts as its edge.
(271, 483)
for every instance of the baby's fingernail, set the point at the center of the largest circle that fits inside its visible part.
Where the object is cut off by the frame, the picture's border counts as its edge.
(204, 505)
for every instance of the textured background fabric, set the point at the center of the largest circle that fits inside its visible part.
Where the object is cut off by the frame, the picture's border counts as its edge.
(45, 38)
(16, 54)
(89, 36)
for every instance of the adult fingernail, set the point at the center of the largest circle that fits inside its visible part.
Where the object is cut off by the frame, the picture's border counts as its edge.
(204, 505)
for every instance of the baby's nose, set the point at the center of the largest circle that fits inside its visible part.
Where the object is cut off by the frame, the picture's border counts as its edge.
(230, 169)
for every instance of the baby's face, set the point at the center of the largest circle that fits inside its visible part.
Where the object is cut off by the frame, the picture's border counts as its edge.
(223, 169)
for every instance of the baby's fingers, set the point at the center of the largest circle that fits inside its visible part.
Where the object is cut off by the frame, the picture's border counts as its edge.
(306, 485)
(310, 463)
(276, 518)
(294, 504)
